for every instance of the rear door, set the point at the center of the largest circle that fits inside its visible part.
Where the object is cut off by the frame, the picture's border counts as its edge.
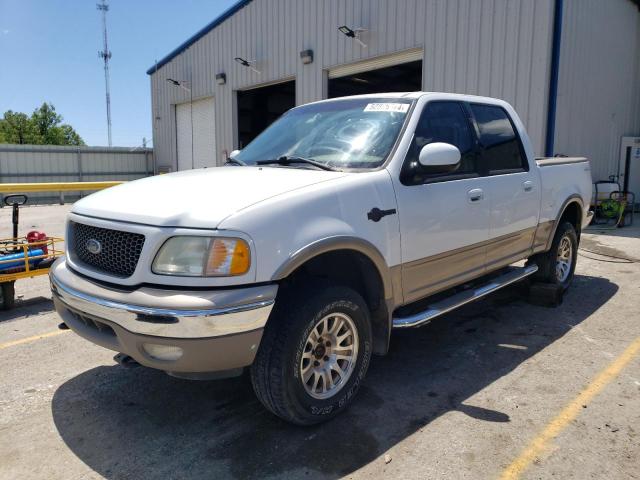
(444, 218)
(514, 189)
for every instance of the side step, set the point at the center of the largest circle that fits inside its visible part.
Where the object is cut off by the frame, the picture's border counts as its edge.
(459, 299)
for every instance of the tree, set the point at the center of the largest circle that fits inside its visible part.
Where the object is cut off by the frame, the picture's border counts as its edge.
(46, 121)
(16, 127)
(44, 127)
(70, 136)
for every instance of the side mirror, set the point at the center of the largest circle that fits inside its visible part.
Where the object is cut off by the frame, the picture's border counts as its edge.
(234, 153)
(439, 157)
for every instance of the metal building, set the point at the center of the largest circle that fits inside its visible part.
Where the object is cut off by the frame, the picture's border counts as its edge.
(571, 68)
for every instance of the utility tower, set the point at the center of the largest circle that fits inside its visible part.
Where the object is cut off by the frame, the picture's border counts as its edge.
(105, 54)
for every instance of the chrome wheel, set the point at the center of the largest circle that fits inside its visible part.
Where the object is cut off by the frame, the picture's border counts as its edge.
(564, 259)
(329, 355)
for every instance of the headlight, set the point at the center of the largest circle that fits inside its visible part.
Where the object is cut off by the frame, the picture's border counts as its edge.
(202, 257)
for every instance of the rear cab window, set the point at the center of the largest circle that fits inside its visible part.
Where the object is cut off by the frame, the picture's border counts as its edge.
(501, 150)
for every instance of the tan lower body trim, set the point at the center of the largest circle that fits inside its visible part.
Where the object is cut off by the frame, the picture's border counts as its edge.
(542, 236)
(510, 248)
(430, 275)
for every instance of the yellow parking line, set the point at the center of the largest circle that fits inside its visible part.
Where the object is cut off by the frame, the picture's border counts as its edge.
(570, 412)
(31, 339)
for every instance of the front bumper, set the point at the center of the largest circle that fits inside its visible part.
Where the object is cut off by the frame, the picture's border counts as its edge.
(176, 331)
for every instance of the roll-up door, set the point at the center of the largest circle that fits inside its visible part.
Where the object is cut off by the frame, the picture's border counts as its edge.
(376, 63)
(202, 153)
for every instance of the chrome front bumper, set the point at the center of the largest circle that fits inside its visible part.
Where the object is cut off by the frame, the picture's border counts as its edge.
(215, 329)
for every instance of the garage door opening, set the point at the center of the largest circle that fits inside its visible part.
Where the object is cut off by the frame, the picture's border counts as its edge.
(260, 107)
(405, 77)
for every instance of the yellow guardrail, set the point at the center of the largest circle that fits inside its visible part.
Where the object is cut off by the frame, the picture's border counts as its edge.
(54, 186)
(61, 187)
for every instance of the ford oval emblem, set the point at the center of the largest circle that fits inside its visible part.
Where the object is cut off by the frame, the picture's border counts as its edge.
(93, 246)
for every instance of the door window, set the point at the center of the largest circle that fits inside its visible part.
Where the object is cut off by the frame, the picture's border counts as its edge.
(501, 148)
(441, 122)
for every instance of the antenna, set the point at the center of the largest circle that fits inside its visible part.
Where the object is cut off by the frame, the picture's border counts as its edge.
(106, 55)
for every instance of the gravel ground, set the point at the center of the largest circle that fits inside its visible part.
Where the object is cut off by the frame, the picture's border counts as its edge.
(459, 398)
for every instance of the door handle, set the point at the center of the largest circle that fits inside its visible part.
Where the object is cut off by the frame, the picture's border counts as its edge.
(528, 186)
(475, 195)
(375, 214)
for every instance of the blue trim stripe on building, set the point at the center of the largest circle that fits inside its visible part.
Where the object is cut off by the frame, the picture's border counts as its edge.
(201, 33)
(553, 79)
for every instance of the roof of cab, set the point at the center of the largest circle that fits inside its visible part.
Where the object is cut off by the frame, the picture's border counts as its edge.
(415, 95)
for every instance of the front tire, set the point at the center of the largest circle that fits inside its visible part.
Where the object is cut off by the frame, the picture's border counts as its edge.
(558, 265)
(314, 354)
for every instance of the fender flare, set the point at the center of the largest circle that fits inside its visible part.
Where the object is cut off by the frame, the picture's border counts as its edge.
(575, 198)
(340, 242)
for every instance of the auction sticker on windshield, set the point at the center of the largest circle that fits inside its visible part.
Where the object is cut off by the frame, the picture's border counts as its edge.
(387, 107)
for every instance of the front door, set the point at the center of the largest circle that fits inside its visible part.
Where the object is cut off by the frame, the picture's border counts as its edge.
(444, 218)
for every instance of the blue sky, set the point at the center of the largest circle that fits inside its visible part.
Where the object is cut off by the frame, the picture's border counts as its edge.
(49, 52)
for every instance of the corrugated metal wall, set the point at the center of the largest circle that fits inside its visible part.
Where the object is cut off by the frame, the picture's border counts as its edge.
(48, 163)
(498, 48)
(599, 84)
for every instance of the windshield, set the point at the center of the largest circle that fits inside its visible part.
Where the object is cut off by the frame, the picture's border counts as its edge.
(351, 133)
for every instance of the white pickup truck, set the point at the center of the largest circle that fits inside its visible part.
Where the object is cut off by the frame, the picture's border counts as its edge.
(345, 219)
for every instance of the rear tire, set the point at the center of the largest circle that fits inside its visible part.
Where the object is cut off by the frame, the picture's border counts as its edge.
(314, 354)
(558, 265)
(7, 295)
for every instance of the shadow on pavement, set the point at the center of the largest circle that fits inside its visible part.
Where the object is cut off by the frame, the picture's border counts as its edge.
(27, 308)
(140, 423)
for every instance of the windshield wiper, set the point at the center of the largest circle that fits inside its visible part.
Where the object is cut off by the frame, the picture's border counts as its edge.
(284, 160)
(233, 161)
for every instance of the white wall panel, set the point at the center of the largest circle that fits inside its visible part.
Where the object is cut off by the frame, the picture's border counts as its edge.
(599, 84)
(485, 47)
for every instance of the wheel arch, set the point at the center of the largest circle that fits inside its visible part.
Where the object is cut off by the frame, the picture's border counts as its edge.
(571, 211)
(356, 263)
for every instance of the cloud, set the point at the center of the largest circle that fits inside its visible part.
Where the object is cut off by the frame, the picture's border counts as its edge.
(6, 31)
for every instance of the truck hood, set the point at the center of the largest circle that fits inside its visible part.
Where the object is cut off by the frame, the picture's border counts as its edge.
(197, 198)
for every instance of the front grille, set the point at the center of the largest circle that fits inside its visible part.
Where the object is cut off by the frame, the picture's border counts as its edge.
(118, 252)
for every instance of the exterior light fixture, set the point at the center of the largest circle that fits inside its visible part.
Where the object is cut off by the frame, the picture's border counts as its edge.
(221, 78)
(247, 63)
(179, 83)
(354, 34)
(306, 56)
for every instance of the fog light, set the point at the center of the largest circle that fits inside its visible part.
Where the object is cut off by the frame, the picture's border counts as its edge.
(162, 352)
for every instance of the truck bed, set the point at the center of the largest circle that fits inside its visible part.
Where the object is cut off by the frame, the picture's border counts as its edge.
(563, 178)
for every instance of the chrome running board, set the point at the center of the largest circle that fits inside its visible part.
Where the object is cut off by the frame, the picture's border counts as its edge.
(459, 299)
